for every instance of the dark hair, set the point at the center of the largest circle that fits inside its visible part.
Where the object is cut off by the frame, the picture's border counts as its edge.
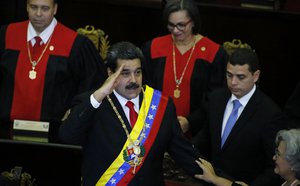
(122, 50)
(243, 56)
(188, 5)
(54, 1)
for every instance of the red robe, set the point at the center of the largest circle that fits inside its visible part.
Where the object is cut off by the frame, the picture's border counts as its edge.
(69, 66)
(205, 72)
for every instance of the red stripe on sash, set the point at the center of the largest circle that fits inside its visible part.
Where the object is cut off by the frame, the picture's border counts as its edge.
(150, 140)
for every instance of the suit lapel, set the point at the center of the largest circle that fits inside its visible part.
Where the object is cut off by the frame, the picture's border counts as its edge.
(120, 110)
(218, 108)
(141, 99)
(242, 121)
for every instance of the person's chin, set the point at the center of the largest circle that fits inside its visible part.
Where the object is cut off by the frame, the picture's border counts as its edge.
(235, 92)
(39, 26)
(37, 23)
(179, 37)
(276, 171)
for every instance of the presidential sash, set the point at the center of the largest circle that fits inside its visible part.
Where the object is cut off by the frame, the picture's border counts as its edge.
(121, 171)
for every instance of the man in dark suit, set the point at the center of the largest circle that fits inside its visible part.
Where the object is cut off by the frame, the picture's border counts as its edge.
(117, 149)
(246, 153)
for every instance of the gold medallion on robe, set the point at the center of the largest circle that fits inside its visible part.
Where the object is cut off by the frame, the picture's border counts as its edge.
(177, 93)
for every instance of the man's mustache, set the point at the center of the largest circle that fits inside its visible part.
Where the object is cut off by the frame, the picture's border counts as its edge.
(132, 86)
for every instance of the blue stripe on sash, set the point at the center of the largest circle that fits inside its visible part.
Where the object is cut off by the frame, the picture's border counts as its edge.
(149, 121)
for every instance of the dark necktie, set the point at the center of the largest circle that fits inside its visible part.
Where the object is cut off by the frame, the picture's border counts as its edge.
(132, 113)
(37, 46)
(231, 120)
(38, 41)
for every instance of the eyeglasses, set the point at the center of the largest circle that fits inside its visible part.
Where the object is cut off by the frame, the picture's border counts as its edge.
(179, 26)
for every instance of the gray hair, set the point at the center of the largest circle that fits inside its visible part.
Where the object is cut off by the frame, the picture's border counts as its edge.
(292, 155)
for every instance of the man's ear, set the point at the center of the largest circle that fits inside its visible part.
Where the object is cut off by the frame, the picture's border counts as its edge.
(256, 75)
(55, 8)
(109, 71)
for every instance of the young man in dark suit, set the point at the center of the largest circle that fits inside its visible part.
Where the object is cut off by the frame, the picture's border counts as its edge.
(117, 149)
(246, 153)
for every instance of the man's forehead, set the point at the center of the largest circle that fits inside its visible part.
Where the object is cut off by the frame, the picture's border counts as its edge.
(129, 69)
(244, 67)
(237, 72)
(41, 2)
(129, 63)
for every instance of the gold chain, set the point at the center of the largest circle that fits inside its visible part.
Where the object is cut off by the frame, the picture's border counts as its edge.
(34, 63)
(137, 145)
(122, 121)
(178, 81)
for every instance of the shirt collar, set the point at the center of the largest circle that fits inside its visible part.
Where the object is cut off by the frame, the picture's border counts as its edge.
(45, 35)
(244, 100)
(123, 100)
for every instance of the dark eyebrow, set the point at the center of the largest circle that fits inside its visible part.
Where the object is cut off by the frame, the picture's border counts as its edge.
(127, 70)
(241, 75)
(228, 72)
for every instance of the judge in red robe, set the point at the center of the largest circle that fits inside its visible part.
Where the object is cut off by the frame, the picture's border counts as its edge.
(184, 65)
(40, 76)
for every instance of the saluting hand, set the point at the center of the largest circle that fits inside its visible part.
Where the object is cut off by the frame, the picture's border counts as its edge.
(108, 86)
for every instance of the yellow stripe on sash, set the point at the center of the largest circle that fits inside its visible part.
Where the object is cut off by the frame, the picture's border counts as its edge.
(138, 127)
